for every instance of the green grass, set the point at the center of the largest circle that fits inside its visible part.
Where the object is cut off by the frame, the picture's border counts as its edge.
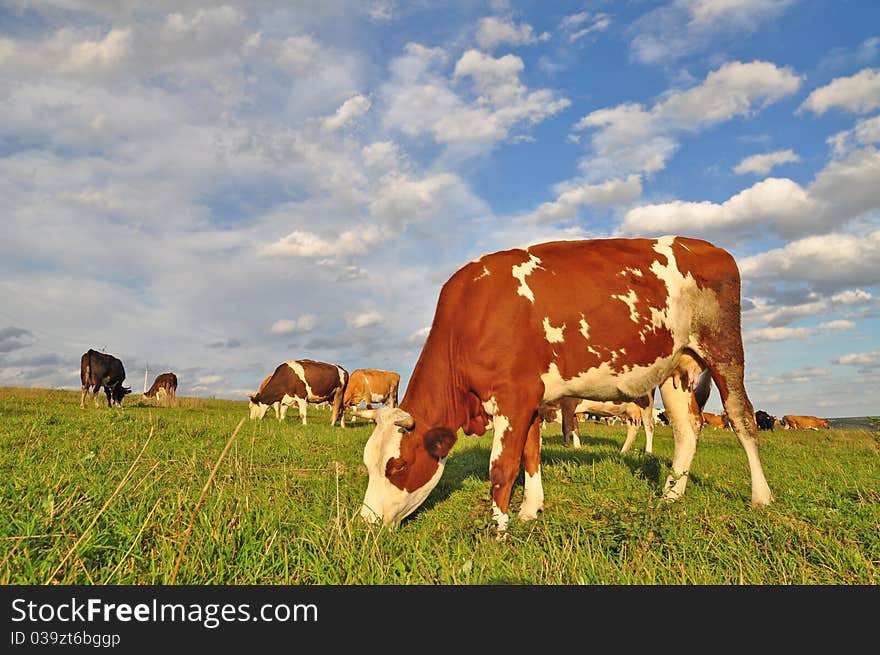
(109, 496)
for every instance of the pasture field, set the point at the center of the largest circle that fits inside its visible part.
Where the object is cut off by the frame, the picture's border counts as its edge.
(121, 496)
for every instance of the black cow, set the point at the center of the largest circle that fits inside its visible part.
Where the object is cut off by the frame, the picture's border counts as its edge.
(98, 370)
(764, 420)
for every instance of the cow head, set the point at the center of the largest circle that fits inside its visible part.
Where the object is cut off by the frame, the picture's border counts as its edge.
(404, 462)
(120, 392)
(256, 408)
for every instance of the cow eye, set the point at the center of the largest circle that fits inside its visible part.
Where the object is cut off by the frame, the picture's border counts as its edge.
(395, 467)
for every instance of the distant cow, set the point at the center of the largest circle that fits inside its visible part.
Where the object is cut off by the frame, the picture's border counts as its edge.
(764, 420)
(258, 410)
(98, 370)
(714, 420)
(634, 414)
(305, 381)
(164, 389)
(800, 422)
(371, 385)
(603, 319)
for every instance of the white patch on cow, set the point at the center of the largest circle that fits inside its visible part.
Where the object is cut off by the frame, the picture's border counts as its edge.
(533, 496)
(491, 406)
(485, 273)
(631, 271)
(383, 501)
(630, 300)
(553, 334)
(500, 425)
(300, 372)
(521, 271)
(605, 383)
(585, 329)
(501, 519)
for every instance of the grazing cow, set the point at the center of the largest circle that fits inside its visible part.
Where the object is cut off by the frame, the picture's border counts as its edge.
(304, 381)
(371, 385)
(800, 422)
(764, 420)
(258, 410)
(98, 370)
(602, 319)
(164, 389)
(714, 420)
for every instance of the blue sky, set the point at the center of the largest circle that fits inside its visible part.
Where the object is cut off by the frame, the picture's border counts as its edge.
(212, 189)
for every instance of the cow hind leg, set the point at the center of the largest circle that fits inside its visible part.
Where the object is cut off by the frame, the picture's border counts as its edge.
(741, 416)
(683, 414)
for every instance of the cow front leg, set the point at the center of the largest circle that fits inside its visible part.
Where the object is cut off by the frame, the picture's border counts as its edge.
(685, 419)
(508, 441)
(533, 494)
(303, 406)
(82, 398)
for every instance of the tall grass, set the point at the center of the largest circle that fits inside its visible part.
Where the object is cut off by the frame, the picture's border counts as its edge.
(145, 495)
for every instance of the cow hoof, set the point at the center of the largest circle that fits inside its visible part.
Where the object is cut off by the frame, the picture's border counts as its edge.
(527, 514)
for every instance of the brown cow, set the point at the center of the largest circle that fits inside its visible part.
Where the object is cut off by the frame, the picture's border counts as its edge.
(371, 385)
(305, 381)
(801, 422)
(715, 420)
(164, 389)
(601, 319)
(258, 410)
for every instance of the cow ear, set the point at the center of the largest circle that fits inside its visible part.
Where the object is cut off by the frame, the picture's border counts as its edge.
(439, 441)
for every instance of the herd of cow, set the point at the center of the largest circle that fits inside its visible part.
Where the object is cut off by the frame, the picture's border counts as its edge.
(299, 382)
(558, 329)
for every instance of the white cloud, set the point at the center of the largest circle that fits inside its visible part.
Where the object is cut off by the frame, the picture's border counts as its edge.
(494, 31)
(208, 380)
(577, 26)
(421, 100)
(845, 190)
(400, 199)
(683, 27)
(868, 360)
(779, 334)
(102, 55)
(837, 325)
(630, 138)
(352, 109)
(865, 132)
(366, 319)
(773, 203)
(761, 164)
(305, 323)
(828, 262)
(569, 201)
(308, 244)
(857, 94)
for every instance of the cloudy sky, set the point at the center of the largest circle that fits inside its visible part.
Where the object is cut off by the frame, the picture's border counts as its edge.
(212, 189)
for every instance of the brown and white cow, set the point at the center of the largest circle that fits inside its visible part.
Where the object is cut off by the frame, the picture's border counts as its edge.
(164, 389)
(802, 422)
(603, 319)
(304, 381)
(371, 385)
(258, 410)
